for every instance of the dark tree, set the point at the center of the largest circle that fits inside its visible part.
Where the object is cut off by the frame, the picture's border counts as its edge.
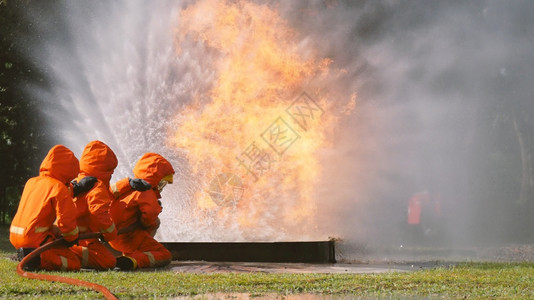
(23, 139)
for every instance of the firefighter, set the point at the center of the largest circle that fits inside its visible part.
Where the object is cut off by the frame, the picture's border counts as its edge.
(139, 248)
(47, 200)
(97, 160)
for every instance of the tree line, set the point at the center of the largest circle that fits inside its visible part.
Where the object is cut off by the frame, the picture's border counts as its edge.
(23, 136)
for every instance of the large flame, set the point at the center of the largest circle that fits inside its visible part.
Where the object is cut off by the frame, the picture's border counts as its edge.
(252, 141)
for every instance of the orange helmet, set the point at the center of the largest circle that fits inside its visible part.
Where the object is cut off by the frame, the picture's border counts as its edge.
(98, 160)
(152, 168)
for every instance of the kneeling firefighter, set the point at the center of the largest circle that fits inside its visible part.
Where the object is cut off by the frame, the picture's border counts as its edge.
(97, 160)
(139, 248)
(46, 211)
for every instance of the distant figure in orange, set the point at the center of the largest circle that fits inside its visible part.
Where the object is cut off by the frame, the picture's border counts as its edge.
(424, 211)
(46, 212)
(139, 248)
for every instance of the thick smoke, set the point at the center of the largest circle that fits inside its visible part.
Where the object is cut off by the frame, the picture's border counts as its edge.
(428, 75)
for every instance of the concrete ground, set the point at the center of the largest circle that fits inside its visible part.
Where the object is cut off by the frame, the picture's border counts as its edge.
(200, 267)
(354, 259)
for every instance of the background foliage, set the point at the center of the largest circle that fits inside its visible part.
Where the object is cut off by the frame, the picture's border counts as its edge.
(23, 135)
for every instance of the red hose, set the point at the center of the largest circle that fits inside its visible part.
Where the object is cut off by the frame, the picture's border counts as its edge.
(102, 289)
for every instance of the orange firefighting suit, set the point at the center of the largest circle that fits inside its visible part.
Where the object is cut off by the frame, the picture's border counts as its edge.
(45, 199)
(97, 160)
(143, 207)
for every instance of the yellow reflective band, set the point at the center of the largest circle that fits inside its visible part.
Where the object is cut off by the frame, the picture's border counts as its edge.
(109, 229)
(151, 258)
(73, 232)
(85, 257)
(82, 228)
(39, 229)
(16, 230)
(64, 263)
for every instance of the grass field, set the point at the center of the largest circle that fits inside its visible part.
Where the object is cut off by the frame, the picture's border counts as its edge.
(466, 280)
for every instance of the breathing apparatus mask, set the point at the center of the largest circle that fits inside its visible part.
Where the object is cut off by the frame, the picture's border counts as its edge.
(164, 181)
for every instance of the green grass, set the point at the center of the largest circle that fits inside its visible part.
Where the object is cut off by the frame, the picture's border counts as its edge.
(471, 280)
(466, 280)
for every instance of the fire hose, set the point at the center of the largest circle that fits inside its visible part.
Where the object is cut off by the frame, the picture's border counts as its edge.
(97, 287)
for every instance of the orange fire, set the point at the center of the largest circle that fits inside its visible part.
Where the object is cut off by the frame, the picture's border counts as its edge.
(252, 141)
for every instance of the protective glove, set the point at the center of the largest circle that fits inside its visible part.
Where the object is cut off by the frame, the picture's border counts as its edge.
(139, 184)
(83, 186)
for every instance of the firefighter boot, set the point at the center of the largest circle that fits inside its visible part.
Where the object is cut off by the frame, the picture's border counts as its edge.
(33, 264)
(126, 263)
